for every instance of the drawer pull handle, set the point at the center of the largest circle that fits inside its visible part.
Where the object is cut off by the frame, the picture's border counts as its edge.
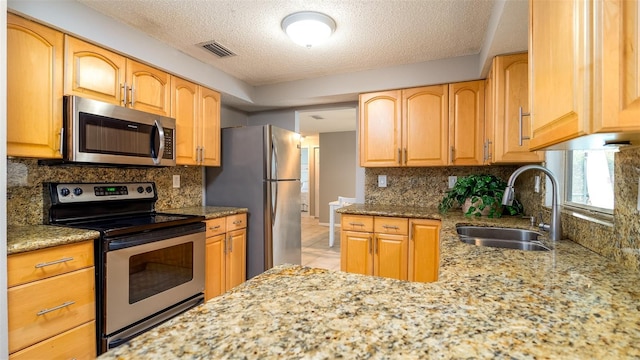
(390, 227)
(41, 265)
(214, 227)
(237, 222)
(356, 224)
(64, 305)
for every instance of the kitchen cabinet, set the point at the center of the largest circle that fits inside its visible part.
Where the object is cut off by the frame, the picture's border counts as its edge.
(394, 126)
(506, 98)
(96, 73)
(225, 263)
(466, 123)
(51, 303)
(197, 113)
(35, 79)
(399, 248)
(424, 250)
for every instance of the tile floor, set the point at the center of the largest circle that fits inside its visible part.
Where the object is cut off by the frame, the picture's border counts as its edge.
(315, 245)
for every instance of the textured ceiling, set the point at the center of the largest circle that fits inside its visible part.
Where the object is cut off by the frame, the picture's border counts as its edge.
(370, 34)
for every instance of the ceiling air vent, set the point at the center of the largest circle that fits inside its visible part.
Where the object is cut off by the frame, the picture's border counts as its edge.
(217, 49)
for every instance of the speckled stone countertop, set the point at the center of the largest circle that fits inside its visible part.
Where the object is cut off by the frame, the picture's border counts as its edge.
(209, 212)
(568, 303)
(34, 237)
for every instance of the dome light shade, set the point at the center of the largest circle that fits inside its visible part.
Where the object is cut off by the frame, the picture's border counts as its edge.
(308, 28)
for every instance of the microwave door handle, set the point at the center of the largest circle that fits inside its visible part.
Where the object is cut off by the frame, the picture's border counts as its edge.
(158, 157)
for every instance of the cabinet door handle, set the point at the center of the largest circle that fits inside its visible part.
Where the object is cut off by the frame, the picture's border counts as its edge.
(214, 227)
(370, 245)
(230, 244)
(59, 261)
(224, 245)
(356, 224)
(451, 151)
(201, 154)
(393, 227)
(61, 141)
(400, 156)
(520, 136)
(63, 305)
(124, 94)
(237, 222)
(405, 156)
(375, 244)
(131, 92)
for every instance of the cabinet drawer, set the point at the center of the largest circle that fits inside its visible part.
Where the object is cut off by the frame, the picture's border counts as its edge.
(42, 309)
(216, 226)
(357, 222)
(391, 225)
(237, 221)
(41, 264)
(77, 343)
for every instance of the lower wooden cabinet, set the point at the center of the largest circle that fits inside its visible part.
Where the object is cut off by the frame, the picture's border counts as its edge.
(398, 248)
(51, 303)
(226, 255)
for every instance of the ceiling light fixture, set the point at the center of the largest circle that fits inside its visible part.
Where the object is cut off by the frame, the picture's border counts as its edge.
(308, 28)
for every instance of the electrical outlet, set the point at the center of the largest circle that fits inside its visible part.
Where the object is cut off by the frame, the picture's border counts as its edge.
(382, 180)
(176, 181)
(452, 181)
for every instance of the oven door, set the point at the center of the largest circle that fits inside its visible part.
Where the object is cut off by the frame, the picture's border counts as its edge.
(151, 274)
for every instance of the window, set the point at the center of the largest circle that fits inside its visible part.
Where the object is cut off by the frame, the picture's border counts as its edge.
(589, 179)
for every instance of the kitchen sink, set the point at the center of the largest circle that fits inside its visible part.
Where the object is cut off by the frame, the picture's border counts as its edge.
(520, 239)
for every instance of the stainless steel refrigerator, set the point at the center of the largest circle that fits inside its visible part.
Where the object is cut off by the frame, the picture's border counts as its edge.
(261, 171)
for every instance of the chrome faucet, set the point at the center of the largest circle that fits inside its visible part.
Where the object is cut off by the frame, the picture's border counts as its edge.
(554, 229)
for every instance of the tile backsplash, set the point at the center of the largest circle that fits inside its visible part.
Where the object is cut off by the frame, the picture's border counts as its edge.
(25, 191)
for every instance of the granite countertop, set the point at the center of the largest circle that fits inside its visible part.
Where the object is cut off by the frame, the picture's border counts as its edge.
(33, 237)
(567, 303)
(209, 212)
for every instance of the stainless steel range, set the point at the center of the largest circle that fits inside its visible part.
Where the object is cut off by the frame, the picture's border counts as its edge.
(149, 265)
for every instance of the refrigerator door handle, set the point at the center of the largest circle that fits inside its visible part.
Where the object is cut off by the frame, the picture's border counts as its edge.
(274, 158)
(274, 202)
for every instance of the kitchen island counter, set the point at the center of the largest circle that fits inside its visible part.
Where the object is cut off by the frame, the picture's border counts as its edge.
(488, 303)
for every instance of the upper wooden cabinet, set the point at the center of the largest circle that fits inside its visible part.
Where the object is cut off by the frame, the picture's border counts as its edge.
(583, 58)
(197, 113)
(506, 98)
(380, 129)
(466, 123)
(99, 74)
(34, 83)
(412, 127)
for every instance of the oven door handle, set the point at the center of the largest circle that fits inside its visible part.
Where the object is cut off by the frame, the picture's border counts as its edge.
(157, 156)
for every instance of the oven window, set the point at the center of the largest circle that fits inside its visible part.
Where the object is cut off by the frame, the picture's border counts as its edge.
(153, 272)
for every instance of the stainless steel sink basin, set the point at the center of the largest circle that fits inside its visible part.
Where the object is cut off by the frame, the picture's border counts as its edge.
(520, 239)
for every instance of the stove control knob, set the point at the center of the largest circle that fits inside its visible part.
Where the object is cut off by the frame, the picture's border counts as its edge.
(65, 192)
(77, 191)
(140, 190)
(149, 189)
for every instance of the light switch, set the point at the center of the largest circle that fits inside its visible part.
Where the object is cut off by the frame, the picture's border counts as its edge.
(176, 181)
(382, 180)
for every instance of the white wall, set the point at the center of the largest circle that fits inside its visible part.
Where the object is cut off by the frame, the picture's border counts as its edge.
(337, 169)
(286, 119)
(230, 117)
(4, 347)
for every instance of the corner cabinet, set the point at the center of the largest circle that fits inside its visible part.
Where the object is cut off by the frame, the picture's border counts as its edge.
(398, 248)
(51, 303)
(197, 113)
(35, 83)
(96, 73)
(507, 124)
(225, 263)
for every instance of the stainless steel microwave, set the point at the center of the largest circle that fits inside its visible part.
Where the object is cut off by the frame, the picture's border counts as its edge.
(102, 133)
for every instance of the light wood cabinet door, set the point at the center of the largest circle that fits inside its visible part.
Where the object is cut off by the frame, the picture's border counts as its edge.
(618, 71)
(559, 38)
(380, 129)
(94, 72)
(236, 258)
(209, 127)
(356, 252)
(149, 88)
(466, 123)
(35, 83)
(78, 343)
(185, 109)
(390, 256)
(215, 275)
(425, 129)
(510, 93)
(424, 250)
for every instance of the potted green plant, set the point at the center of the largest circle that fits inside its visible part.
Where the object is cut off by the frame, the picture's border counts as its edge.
(479, 195)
